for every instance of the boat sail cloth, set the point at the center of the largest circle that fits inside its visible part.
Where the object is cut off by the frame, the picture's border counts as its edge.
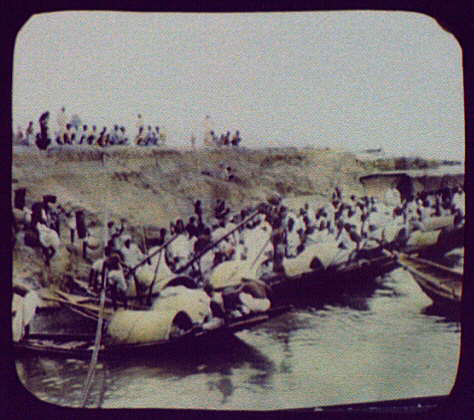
(195, 302)
(25, 314)
(231, 273)
(390, 232)
(325, 252)
(419, 239)
(130, 327)
(434, 223)
(254, 304)
(17, 302)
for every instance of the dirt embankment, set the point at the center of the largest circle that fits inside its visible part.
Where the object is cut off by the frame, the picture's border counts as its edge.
(157, 186)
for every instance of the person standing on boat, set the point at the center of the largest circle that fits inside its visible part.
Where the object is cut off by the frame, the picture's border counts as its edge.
(191, 227)
(294, 236)
(38, 214)
(424, 211)
(459, 202)
(115, 280)
(221, 210)
(198, 212)
(24, 315)
(203, 240)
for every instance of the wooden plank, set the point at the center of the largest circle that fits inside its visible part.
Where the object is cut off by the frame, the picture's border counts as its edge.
(85, 313)
(87, 304)
(432, 269)
(75, 298)
(108, 300)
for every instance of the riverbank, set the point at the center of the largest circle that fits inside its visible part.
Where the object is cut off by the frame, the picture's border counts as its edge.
(150, 187)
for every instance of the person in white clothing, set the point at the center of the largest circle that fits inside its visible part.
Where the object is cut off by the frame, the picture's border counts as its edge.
(29, 134)
(62, 121)
(392, 197)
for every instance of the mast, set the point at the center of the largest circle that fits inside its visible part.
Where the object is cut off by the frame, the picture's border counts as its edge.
(100, 320)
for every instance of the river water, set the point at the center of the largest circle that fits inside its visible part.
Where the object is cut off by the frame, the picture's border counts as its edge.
(382, 344)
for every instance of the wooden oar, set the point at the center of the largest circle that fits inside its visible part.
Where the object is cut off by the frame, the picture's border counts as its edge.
(214, 244)
(95, 353)
(98, 334)
(261, 251)
(132, 269)
(150, 292)
(254, 261)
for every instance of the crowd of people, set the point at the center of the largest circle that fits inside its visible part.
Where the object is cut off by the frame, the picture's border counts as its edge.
(223, 140)
(72, 131)
(215, 254)
(75, 132)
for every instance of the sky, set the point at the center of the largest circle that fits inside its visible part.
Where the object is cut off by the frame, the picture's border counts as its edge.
(346, 80)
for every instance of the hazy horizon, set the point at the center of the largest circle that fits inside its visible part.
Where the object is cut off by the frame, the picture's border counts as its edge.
(351, 80)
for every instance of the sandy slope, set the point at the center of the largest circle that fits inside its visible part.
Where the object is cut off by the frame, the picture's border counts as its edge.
(156, 186)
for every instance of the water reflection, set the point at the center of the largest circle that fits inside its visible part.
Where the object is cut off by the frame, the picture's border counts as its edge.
(443, 315)
(52, 379)
(355, 302)
(367, 346)
(223, 368)
(224, 385)
(60, 381)
(62, 320)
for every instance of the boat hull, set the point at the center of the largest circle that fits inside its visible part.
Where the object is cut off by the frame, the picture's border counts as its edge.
(81, 345)
(440, 297)
(333, 281)
(441, 284)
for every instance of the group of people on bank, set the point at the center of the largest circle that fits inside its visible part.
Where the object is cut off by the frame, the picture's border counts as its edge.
(223, 140)
(75, 132)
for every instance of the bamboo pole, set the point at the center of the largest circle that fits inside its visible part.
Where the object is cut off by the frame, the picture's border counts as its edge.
(150, 292)
(154, 253)
(98, 334)
(261, 251)
(214, 244)
(95, 353)
(145, 248)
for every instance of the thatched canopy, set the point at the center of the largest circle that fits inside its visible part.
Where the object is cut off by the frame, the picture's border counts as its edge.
(231, 273)
(325, 252)
(130, 327)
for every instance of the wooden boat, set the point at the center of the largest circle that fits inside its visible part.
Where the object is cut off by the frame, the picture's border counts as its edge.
(82, 345)
(85, 304)
(334, 280)
(441, 284)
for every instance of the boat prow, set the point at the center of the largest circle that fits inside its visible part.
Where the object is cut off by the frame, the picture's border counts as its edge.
(443, 285)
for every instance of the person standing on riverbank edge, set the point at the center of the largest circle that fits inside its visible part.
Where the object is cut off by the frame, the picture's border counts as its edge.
(62, 120)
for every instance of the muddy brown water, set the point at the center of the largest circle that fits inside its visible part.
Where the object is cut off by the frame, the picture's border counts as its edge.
(375, 345)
